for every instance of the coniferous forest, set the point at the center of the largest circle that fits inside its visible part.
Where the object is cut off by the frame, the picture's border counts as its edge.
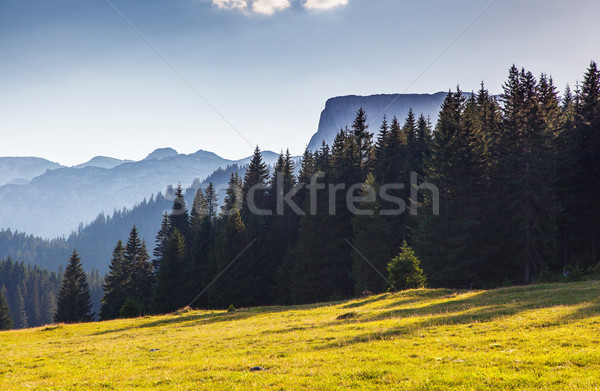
(504, 190)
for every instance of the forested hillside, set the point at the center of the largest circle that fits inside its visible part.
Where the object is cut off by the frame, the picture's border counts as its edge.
(502, 191)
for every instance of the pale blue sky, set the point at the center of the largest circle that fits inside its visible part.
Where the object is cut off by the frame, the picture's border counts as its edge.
(76, 81)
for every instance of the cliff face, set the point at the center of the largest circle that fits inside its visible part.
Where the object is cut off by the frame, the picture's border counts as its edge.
(340, 111)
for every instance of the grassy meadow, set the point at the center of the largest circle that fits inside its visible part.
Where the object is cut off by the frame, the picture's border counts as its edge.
(539, 337)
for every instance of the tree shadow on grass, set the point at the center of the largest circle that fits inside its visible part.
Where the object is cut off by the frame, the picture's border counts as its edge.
(366, 301)
(199, 319)
(481, 307)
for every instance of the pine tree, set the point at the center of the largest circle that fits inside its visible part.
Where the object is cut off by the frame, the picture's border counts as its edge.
(376, 241)
(233, 195)
(237, 282)
(211, 199)
(203, 267)
(587, 166)
(410, 132)
(527, 167)
(169, 291)
(256, 177)
(179, 218)
(21, 320)
(115, 284)
(198, 209)
(282, 225)
(446, 242)
(139, 270)
(405, 271)
(160, 242)
(422, 144)
(257, 227)
(6, 322)
(74, 297)
(363, 138)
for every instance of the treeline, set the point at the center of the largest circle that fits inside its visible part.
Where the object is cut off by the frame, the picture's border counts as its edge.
(95, 240)
(503, 191)
(31, 292)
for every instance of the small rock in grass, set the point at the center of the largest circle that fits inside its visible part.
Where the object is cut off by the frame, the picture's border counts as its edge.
(255, 369)
(347, 315)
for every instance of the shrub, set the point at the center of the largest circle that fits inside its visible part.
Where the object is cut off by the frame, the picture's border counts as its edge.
(405, 271)
(130, 309)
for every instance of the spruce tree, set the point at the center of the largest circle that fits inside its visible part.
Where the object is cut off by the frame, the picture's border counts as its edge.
(587, 166)
(203, 267)
(179, 218)
(256, 176)
(198, 209)
(160, 242)
(169, 291)
(6, 322)
(446, 242)
(139, 270)
(233, 195)
(74, 297)
(404, 271)
(115, 284)
(257, 227)
(527, 167)
(360, 132)
(237, 282)
(376, 241)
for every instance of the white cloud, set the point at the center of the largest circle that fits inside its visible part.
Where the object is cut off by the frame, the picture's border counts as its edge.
(268, 7)
(231, 4)
(324, 4)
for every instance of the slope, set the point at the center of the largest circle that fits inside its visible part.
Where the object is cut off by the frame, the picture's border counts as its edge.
(534, 337)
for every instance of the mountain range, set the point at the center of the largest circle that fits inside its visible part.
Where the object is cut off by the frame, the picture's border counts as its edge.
(55, 202)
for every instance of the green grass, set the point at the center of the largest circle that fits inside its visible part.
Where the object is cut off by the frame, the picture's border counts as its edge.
(540, 337)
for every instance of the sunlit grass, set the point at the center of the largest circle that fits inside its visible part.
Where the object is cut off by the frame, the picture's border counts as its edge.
(542, 337)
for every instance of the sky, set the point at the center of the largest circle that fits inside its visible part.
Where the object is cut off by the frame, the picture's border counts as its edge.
(120, 78)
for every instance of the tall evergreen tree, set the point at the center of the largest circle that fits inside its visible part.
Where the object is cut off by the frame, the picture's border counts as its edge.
(445, 241)
(376, 241)
(586, 174)
(6, 322)
(257, 175)
(139, 269)
(237, 282)
(363, 138)
(160, 242)
(179, 218)
(74, 298)
(169, 291)
(233, 195)
(115, 284)
(203, 267)
(530, 200)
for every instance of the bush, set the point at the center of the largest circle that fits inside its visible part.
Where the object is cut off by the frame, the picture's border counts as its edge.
(231, 308)
(575, 273)
(546, 276)
(130, 309)
(405, 271)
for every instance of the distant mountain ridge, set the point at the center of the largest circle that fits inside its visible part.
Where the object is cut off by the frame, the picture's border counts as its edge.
(57, 201)
(340, 112)
(21, 170)
(103, 162)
